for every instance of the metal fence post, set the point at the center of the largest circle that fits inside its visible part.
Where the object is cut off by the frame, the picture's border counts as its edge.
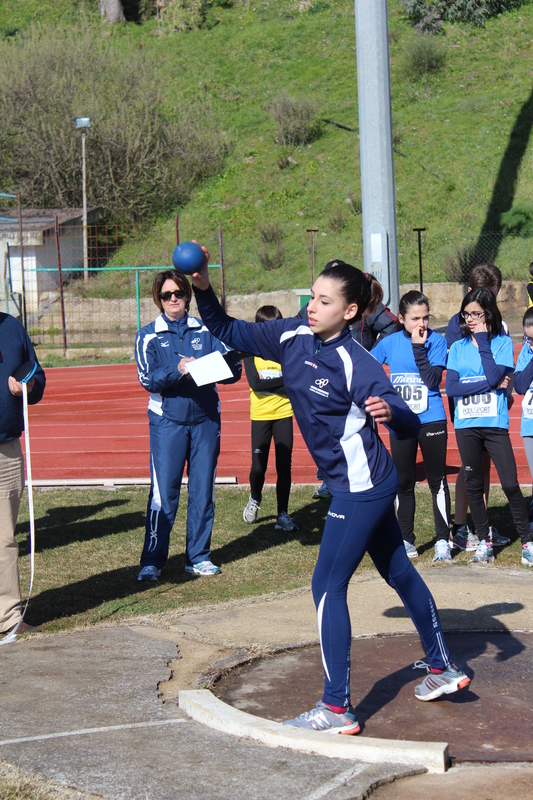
(60, 285)
(6, 283)
(312, 231)
(24, 318)
(419, 231)
(138, 299)
(222, 268)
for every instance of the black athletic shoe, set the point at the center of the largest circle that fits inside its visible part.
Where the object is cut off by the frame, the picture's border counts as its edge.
(496, 538)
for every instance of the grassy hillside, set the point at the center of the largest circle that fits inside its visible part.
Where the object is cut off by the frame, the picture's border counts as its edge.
(452, 132)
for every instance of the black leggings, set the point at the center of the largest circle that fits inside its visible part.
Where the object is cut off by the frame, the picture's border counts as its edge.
(471, 442)
(262, 433)
(432, 439)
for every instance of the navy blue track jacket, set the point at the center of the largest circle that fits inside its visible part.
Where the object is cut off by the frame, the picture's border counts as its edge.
(327, 384)
(159, 347)
(15, 349)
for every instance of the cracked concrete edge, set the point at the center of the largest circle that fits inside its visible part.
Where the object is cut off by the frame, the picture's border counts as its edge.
(202, 706)
(372, 777)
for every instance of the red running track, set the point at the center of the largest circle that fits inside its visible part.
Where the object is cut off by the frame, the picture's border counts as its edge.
(92, 423)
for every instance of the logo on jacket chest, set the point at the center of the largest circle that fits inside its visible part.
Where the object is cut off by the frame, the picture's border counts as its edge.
(319, 387)
(196, 343)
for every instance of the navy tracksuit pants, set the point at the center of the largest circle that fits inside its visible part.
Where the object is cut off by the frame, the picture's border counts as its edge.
(357, 523)
(171, 445)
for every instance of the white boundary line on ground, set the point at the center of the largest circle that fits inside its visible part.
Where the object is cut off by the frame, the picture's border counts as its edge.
(85, 731)
(202, 706)
(334, 783)
(107, 482)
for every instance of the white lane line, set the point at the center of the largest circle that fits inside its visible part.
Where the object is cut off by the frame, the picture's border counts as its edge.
(334, 783)
(84, 731)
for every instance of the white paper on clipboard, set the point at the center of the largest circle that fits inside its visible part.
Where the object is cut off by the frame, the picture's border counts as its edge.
(209, 369)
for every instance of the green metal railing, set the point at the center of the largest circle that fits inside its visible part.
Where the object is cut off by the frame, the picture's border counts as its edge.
(120, 269)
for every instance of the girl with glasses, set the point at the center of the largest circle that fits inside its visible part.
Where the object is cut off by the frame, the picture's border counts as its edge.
(479, 366)
(523, 384)
(416, 357)
(339, 394)
(184, 422)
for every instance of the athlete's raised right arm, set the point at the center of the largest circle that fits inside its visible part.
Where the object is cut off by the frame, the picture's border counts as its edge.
(241, 335)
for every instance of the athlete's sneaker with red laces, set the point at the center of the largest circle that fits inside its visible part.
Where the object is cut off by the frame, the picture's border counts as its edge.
(462, 538)
(435, 684)
(527, 554)
(323, 719)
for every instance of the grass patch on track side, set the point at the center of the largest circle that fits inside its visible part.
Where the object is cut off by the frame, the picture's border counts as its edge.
(89, 543)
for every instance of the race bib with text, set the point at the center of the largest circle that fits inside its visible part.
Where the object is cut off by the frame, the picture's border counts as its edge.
(478, 406)
(413, 390)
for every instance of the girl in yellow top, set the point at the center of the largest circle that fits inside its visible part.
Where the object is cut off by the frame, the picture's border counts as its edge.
(271, 414)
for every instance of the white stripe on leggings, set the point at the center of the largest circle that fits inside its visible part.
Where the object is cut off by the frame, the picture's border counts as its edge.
(319, 614)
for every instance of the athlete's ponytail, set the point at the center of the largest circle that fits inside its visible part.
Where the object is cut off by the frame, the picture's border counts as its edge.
(355, 286)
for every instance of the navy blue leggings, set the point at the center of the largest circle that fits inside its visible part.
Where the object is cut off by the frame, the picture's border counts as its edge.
(357, 523)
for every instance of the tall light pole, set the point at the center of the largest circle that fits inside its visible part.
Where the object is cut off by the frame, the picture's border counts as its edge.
(84, 122)
(380, 241)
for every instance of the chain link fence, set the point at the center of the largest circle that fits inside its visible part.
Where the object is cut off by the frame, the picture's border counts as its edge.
(450, 257)
(101, 299)
(67, 299)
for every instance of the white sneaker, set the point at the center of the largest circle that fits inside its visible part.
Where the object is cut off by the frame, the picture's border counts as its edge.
(484, 553)
(442, 551)
(203, 568)
(436, 684)
(410, 549)
(527, 554)
(249, 514)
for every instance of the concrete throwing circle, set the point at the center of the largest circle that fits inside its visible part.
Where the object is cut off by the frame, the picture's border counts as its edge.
(491, 721)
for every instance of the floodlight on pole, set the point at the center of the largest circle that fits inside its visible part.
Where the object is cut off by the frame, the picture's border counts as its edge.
(84, 122)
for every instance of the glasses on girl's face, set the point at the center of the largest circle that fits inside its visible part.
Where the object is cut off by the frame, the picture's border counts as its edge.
(179, 295)
(475, 315)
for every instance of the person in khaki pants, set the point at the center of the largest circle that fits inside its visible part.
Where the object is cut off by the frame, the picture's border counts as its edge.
(15, 349)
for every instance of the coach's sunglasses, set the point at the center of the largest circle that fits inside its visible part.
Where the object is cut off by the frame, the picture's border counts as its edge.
(178, 294)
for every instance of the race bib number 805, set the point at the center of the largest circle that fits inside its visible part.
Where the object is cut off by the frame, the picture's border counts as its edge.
(478, 406)
(415, 395)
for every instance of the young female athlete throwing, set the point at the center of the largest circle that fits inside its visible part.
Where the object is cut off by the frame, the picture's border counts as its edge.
(339, 392)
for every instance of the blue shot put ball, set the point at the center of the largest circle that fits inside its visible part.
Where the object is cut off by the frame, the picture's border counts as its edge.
(188, 257)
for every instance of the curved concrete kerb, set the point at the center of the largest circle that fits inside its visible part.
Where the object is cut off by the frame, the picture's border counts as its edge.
(204, 707)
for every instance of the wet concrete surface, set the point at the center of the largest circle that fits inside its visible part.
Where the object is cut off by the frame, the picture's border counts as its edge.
(490, 722)
(83, 710)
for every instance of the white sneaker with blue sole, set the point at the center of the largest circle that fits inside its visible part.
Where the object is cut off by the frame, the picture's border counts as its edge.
(203, 568)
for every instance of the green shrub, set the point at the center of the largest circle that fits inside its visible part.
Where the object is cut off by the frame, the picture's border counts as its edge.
(140, 164)
(424, 55)
(337, 221)
(475, 11)
(319, 6)
(297, 120)
(270, 232)
(270, 261)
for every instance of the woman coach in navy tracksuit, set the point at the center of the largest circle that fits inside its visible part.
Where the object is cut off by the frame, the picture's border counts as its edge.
(184, 426)
(339, 392)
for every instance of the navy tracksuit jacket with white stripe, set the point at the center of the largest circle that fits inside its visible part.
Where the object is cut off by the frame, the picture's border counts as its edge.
(184, 424)
(328, 384)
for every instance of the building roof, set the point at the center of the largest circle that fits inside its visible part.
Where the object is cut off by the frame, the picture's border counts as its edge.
(41, 219)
